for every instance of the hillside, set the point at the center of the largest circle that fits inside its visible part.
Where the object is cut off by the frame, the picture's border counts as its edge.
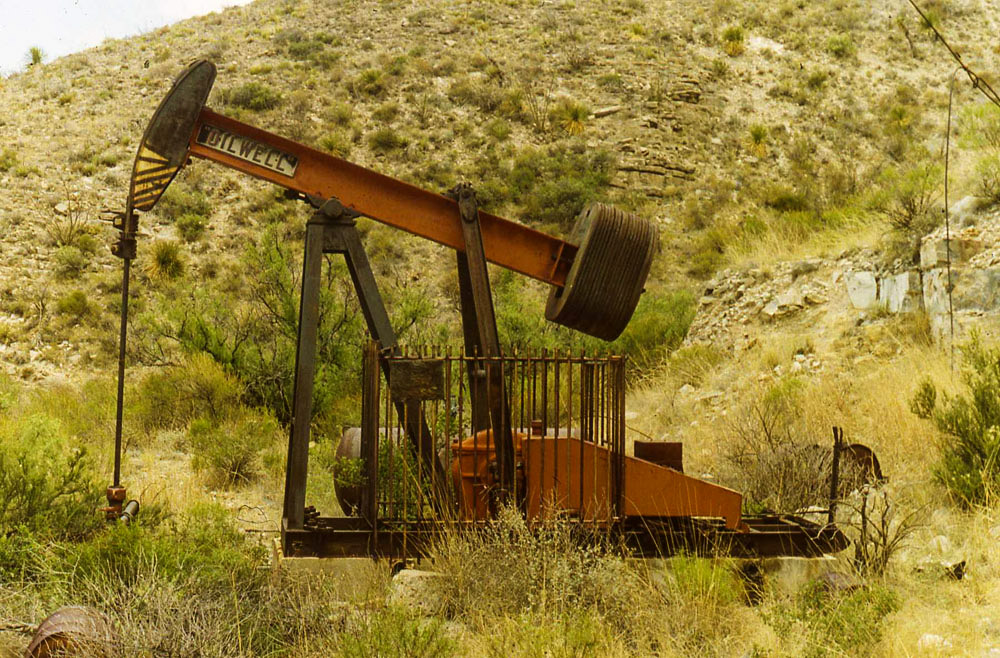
(786, 150)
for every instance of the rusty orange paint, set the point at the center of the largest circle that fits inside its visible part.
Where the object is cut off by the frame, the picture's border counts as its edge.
(393, 202)
(650, 490)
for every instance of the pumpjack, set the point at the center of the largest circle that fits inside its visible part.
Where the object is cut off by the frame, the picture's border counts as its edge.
(445, 439)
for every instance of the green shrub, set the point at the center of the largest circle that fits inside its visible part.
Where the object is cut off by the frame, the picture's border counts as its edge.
(569, 115)
(384, 140)
(979, 126)
(191, 226)
(182, 199)
(340, 113)
(913, 196)
(988, 173)
(840, 46)
(76, 304)
(35, 56)
(256, 96)
(498, 129)
(337, 143)
(166, 260)
(173, 397)
(397, 633)
(969, 467)
(658, 327)
(733, 40)
(70, 262)
(231, 451)
(370, 82)
(555, 184)
(47, 485)
(386, 112)
(846, 623)
(8, 160)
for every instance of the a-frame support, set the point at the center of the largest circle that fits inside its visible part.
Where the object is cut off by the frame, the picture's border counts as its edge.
(332, 230)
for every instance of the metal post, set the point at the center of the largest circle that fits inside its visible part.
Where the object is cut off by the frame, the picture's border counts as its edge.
(483, 316)
(305, 370)
(838, 441)
(369, 432)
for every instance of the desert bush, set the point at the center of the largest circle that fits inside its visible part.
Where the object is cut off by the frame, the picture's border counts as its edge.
(570, 115)
(173, 397)
(397, 633)
(75, 303)
(913, 196)
(256, 96)
(166, 261)
(969, 467)
(370, 82)
(255, 341)
(553, 185)
(733, 40)
(191, 226)
(840, 46)
(182, 199)
(231, 451)
(773, 460)
(694, 363)
(881, 527)
(979, 126)
(558, 570)
(836, 623)
(8, 160)
(657, 328)
(988, 173)
(47, 485)
(338, 143)
(385, 140)
(69, 261)
(35, 56)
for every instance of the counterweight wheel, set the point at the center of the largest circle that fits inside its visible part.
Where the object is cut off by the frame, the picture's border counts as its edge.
(607, 276)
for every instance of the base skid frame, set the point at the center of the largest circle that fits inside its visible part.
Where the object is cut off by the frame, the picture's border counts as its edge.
(761, 536)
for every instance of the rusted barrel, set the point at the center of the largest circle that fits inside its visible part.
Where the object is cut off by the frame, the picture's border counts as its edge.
(346, 483)
(73, 630)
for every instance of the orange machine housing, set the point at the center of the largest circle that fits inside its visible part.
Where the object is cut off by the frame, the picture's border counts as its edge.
(565, 474)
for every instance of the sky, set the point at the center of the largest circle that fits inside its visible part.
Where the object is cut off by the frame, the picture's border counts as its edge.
(60, 27)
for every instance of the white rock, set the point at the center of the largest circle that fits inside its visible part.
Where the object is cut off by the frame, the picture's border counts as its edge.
(940, 544)
(862, 289)
(416, 590)
(687, 389)
(901, 293)
(932, 641)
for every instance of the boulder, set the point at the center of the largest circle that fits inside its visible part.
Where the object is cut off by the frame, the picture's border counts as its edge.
(862, 289)
(973, 290)
(901, 293)
(934, 251)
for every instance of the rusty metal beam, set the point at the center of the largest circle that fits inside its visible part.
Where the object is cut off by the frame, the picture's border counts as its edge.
(235, 144)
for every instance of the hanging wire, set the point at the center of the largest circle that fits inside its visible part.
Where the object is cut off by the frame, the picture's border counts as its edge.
(977, 82)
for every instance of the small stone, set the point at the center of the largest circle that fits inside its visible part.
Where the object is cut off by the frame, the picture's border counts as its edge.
(795, 367)
(940, 544)
(932, 641)
(687, 389)
(799, 358)
(62, 207)
(805, 267)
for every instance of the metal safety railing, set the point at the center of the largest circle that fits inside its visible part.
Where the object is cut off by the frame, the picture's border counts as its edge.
(429, 444)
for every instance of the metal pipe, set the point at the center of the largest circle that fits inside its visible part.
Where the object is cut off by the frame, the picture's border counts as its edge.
(129, 512)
